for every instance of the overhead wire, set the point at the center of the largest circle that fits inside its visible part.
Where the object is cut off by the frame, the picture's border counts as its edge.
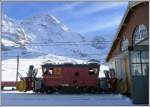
(63, 43)
(69, 42)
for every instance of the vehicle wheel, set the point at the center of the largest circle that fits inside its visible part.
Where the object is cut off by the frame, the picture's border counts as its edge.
(2, 87)
(122, 87)
(13, 89)
(49, 90)
(92, 91)
(42, 91)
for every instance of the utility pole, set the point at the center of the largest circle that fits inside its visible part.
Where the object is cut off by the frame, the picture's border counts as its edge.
(17, 68)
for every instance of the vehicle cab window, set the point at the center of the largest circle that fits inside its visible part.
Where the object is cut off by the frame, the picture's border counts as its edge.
(50, 71)
(92, 71)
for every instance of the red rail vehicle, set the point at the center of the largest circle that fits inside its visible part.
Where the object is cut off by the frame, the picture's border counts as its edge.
(8, 84)
(62, 78)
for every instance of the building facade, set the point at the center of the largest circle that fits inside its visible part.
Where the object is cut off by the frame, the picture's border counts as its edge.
(129, 53)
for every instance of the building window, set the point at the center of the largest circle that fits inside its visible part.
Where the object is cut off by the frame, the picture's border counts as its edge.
(124, 43)
(140, 33)
(136, 70)
(140, 63)
(136, 57)
(119, 68)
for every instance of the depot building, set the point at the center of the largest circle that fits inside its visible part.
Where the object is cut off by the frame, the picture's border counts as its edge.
(129, 53)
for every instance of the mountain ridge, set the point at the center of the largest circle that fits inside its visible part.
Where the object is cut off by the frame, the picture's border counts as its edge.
(35, 34)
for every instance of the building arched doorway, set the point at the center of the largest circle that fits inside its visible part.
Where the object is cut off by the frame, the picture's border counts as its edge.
(139, 65)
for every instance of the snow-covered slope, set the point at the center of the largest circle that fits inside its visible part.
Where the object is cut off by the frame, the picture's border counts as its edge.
(49, 35)
(44, 34)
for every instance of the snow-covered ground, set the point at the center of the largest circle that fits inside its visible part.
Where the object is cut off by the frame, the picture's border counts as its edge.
(25, 99)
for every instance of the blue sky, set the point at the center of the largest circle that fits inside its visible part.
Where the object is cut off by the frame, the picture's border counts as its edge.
(82, 17)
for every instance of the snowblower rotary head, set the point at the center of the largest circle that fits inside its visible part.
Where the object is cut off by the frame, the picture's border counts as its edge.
(21, 86)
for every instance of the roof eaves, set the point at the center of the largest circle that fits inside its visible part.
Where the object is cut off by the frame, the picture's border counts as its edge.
(134, 3)
(119, 28)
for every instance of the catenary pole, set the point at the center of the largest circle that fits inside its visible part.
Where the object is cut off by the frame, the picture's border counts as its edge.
(17, 68)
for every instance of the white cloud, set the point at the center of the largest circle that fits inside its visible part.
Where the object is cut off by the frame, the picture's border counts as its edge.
(78, 9)
(97, 7)
(65, 7)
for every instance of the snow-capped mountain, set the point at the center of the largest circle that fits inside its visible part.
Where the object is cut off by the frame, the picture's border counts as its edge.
(44, 38)
(44, 34)
(12, 34)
